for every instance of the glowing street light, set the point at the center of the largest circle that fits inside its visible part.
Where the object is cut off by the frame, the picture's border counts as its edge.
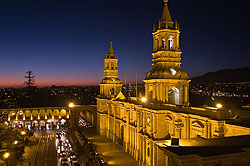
(6, 155)
(144, 99)
(71, 105)
(23, 132)
(15, 142)
(219, 106)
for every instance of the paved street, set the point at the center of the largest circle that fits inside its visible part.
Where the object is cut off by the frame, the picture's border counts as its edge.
(46, 151)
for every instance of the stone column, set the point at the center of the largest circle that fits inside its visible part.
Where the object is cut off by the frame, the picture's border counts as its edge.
(205, 130)
(154, 91)
(144, 151)
(177, 132)
(187, 127)
(114, 125)
(154, 124)
(108, 133)
(155, 157)
(164, 92)
(127, 133)
(209, 130)
(144, 121)
(146, 90)
(158, 91)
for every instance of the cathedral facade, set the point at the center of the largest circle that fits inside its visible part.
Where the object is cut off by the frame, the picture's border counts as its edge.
(143, 127)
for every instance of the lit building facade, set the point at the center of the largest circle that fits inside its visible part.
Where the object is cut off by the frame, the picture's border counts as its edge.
(43, 117)
(110, 85)
(143, 128)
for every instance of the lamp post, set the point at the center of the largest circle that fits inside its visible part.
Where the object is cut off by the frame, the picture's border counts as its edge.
(219, 106)
(6, 156)
(71, 105)
(144, 99)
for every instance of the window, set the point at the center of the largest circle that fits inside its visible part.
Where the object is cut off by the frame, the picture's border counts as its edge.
(171, 43)
(148, 120)
(163, 43)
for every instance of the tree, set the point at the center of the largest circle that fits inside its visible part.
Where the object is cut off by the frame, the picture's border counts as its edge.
(29, 79)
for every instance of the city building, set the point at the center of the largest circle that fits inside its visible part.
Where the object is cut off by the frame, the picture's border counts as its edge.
(162, 129)
(36, 118)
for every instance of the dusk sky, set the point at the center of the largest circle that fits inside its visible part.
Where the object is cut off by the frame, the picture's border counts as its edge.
(64, 42)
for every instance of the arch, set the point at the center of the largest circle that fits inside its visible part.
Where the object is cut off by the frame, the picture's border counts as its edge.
(27, 114)
(34, 114)
(169, 125)
(169, 117)
(12, 115)
(174, 96)
(163, 44)
(171, 42)
(197, 128)
(20, 114)
(42, 114)
(49, 114)
(56, 113)
(63, 113)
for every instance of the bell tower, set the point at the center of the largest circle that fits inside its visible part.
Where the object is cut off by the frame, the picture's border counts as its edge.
(167, 82)
(110, 86)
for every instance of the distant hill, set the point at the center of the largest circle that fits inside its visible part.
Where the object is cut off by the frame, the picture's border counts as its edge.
(224, 76)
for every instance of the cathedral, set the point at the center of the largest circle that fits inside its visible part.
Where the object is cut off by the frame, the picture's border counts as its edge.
(158, 130)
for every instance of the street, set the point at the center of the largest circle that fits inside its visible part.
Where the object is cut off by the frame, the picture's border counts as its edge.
(46, 150)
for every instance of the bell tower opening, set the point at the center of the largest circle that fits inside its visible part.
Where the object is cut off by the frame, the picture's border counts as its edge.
(174, 96)
(171, 42)
(163, 43)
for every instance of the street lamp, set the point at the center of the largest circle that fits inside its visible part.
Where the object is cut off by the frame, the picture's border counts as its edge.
(6, 155)
(23, 132)
(144, 99)
(219, 106)
(15, 142)
(71, 105)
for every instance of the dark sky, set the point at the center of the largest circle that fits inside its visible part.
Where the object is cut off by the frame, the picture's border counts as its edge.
(64, 42)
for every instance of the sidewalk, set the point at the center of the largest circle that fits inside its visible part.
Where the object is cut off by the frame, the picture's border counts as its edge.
(77, 147)
(112, 153)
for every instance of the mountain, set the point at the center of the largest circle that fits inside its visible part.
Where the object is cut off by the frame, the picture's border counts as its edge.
(224, 76)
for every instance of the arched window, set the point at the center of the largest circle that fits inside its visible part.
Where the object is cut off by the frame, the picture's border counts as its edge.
(171, 42)
(163, 43)
(112, 66)
(174, 96)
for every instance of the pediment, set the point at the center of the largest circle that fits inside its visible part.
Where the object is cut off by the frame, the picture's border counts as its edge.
(197, 124)
(120, 96)
(169, 118)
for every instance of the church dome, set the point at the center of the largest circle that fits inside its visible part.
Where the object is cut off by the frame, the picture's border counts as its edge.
(166, 73)
(111, 81)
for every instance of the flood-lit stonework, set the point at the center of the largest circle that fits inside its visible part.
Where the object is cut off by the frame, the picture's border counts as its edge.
(145, 128)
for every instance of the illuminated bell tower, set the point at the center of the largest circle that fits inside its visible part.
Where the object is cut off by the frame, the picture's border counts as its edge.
(110, 86)
(167, 82)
